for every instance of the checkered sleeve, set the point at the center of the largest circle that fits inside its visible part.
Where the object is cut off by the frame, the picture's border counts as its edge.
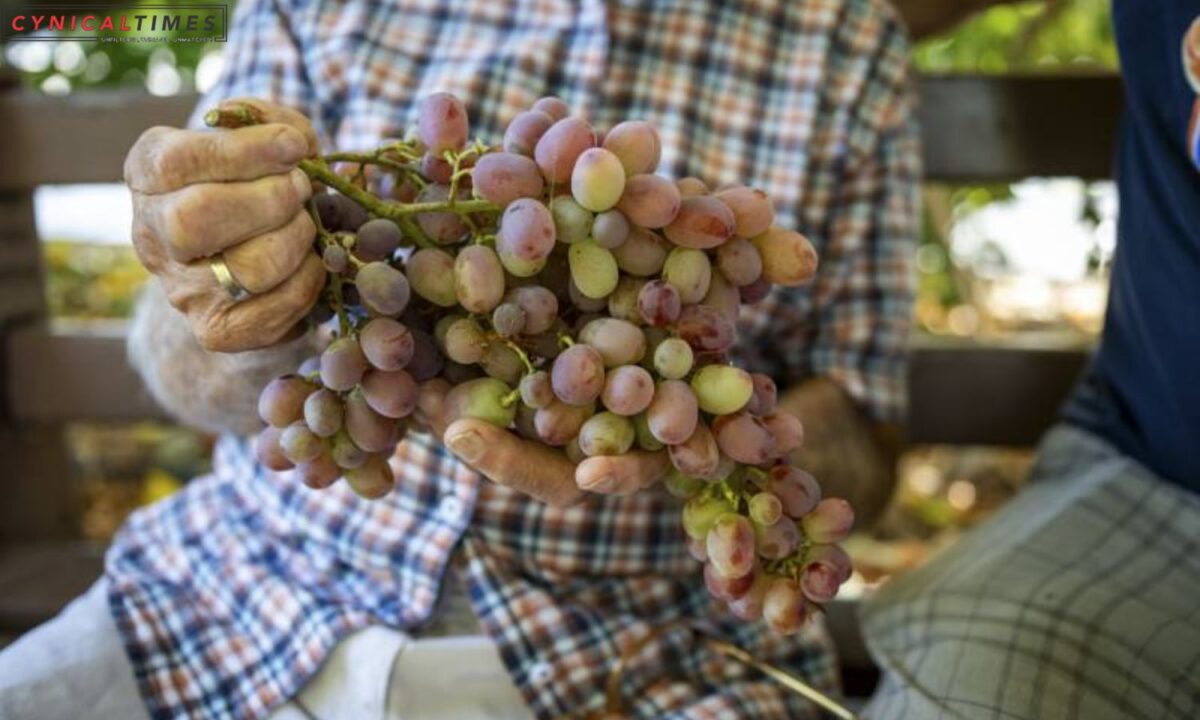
(863, 294)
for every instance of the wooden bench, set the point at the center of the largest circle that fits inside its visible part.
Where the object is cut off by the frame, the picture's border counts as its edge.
(975, 129)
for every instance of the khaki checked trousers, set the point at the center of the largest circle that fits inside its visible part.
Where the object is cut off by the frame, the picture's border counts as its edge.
(1078, 601)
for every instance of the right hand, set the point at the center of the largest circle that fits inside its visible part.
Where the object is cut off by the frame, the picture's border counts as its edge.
(238, 193)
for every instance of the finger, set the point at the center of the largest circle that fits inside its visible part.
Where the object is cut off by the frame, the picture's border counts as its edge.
(275, 113)
(536, 470)
(166, 159)
(431, 403)
(202, 220)
(622, 474)
(263, 262)
(261, 320)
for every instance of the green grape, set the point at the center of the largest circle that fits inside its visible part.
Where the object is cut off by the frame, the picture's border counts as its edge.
(572, 222)
(722, 389)
(464, 341)
(682, 486)
(606, 433)
(765, 508)
(299, 444)
(618, 342)
(323, 412)
(700, 513)
(345, 453)
(673, 359)
(593, 269)
(373, 479)
(623, 303)
(610, 229)
(502, 362)
(478, 279)
(481, 399)
(690, 272)
(597, 180)
(645, 438)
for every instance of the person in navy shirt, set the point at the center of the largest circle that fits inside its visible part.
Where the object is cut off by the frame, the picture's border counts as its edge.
(1081, 599)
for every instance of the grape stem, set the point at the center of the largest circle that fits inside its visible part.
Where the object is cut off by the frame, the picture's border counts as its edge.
(335, 279)
(510, 399)
(521, 354)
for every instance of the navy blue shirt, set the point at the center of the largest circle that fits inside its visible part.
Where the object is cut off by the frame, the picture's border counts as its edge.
(1142, 389)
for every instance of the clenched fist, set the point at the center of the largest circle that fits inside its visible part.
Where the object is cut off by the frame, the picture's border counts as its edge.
(237, 193)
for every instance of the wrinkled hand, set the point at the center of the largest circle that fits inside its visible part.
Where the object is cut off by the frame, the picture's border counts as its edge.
(541, 472)
(236, 192)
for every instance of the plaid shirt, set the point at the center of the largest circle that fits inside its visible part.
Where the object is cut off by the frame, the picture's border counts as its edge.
(230, 594)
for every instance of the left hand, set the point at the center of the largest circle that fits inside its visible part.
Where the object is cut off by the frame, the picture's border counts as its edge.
(537, 470)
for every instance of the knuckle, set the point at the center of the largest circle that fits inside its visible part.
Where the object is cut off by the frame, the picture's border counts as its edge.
(136, 166)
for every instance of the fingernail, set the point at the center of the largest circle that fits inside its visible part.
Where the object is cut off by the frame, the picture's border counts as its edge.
(302, 184)
(467, 445)
(292, 146)
(606, 483)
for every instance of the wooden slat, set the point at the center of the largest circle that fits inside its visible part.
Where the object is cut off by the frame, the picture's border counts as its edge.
(1011, 127)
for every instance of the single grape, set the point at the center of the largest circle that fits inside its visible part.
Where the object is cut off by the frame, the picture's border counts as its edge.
(762, 402)
(597, 179)
(281, 402)
(382, 288)
(373, 479)
(335, 259)
(723, 297)
(682, 486)
(553, 107)
(386, 343)
(673, 413)
(650, 201)
(339, 213)
(829, 522)
(645, 438)
(628, 390)
(572, 221)
(673, 359)
(577, 375)
(323, 412)
(705, 329)
(702, 223)
(751, 208)
(748, 607)
(310, 367)
(536, 390)
(539, 305)
(442, 226)
(636, 144)
(483, 399)
(573, 452)
(777, 540)
(343, 364)
(690, 272)
(725, 588)
(377, 239)
(502, 362)
(788, 258)
(623, 302)
(691, 186)
(503, 177)
(465, 341)
(610, 229)
(784, 607)
(523, 422)
(391, 393)
(659, 303)
(722, 389)
(787, 431)
(436, 169)
(823, 575)
(618, 342)
(318, 473)
(796, 489)
(268, 452)
(368, 429)
(558, 423)
(431, 273)
(593, 269)
(642, 254)
(478, 279)
(299, 444)
(442, 122)
(525, 237)
(755, 292)
(744, 438)
(606, 433)
(345, 453)
(833, 557)
(738, 260)
(523, 133)
(765, 508)
(558, 149)
(700, 513)
(698, 455)
(426, 361)
(730, 546)
(508, 319)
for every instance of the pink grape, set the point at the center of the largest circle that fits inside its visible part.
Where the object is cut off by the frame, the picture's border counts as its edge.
(442, 226)
(784, 607)
(690, 272)
(339, 213)
(578, 375)
(504, 177)
(373, 479)
(345, 453)
(698, 455)
(268, 452)
(597, 180)
(636, 144)
(502, 362)
(343, 364)
(796, 489)
(730, 546)
(539, 304)
(525, 237)
(553, 107)
(650, 201)
(559, 422)
(788, 257)
(755, 292)
(464, 341)
(478, 279)
(436, 169)
(725, 588)
(368, 429)
(536, 390)
(738, 260)
(659, 304)
(673, 413)
(765, 508)
(691, 186)
(823, 576)
(442, 122)
(762, 402)
(619, 342)
(431, 273)
(696, 547)
(787, 431)
(749, 606)
(723, 297)
(705, 329)
(744, 438)
(628, 390)
(610, 229)
(523, 133)
(320, 472)
(751, 208)
(508, 319)
(299, 444)
(386, 343)
(623, 302)
(281, 402)
(335, 259)
(778, 540)
(606, 433)
(702, 223)
(829, 522)
(323, 412)
(382, 288)
(560, 146)
(642, 254)
(377, 239)
(391, 393)
(426, 361)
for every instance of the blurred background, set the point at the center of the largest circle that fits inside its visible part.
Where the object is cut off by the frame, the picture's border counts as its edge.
(1002, 265)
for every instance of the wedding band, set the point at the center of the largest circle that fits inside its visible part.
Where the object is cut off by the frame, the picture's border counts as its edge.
(226, 280)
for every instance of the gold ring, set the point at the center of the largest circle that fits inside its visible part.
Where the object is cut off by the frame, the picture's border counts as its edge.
(226, 280)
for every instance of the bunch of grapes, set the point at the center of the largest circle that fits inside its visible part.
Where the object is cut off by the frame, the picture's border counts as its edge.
(567, 292)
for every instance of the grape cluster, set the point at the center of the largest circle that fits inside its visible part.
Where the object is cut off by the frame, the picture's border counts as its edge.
(567, 292)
